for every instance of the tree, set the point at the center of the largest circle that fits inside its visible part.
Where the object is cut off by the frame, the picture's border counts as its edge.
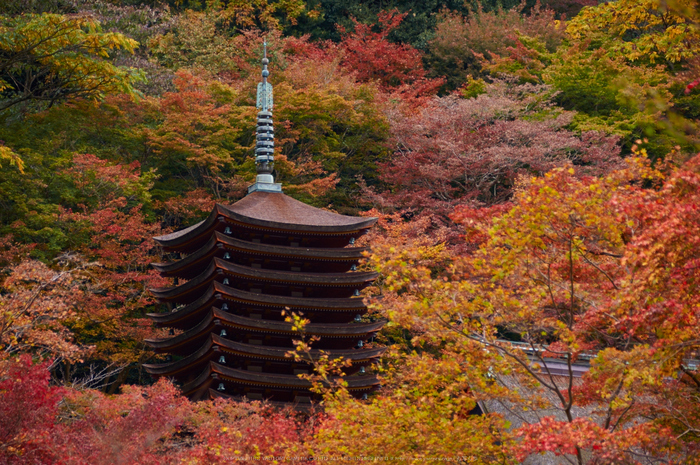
(28, 408)
(646, 32)
(423, 411)
(559, 278)
(261, 14)
(46, 424)
(49, 58)
(460, 40)
(9, 156)
(614, 96)
(416, 30)
(626, 68)
(37, 309)
(373, 57)
(472, 150)
(85, 310)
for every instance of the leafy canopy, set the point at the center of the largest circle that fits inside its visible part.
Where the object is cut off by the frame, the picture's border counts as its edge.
(49, 58)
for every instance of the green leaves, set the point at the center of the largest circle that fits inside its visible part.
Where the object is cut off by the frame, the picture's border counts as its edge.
(49, 58)
(641, 31)
(12, 158)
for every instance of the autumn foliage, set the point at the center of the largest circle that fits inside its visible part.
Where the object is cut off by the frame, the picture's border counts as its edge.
(536, 178)
(575, 268)
(47, 424)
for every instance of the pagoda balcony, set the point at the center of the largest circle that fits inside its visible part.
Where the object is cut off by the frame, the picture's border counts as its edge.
(235, 381)
(345, 335)
(285, 258)
(257, 357)
(217, 294)
(284, 283)
(270, 218)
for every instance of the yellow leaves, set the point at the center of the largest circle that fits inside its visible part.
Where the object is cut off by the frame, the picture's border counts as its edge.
(8, 155)
(640, 30)
(73, 51)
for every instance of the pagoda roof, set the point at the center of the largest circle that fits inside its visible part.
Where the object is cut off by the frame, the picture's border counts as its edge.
(184, 364)
(183, 316)
(270, 211)
(219, 344)
(352, 279)
(297, 277)
(176, 343)
(181, 342)
(356, 356)
(258, 378)
(333, 330)
(264, 300)
(181, 267)
(254, 378)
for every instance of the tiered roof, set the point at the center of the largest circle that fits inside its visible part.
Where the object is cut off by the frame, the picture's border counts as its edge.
(244, 266)
(234, 337)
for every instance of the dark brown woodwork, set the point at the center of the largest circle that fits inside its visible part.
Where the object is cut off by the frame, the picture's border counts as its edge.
(244, 266)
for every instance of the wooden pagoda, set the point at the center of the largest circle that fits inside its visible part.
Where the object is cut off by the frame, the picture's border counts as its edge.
(236, 273)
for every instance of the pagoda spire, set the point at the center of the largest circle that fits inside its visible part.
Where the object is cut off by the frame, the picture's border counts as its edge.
(265, 135)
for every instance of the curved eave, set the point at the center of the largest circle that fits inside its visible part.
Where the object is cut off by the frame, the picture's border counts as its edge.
(180, 240)
(182, 267)
(205, 377)
(297, 277)
(285, 381)
(280, 212)
(166, 294)
(176, 267)
(176, 343)
(281, 327)
(333, 253)
(356, 356)
(302, 303)
(218, 344)
(262, 207)
(357, 280)
(183, 365)
(183, 314)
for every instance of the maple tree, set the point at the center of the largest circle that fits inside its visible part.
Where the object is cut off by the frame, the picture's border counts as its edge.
(38, 307)
(423, 411)
(84, 310)
(463, 43)
(49, 57)
(47, 424)
(547, 287)
(261, 14)
(568, 8)
(28, 407)
(9, 156)
(635, 57)
(373, 57)
(472, 150)
(195, 40)
(623, 66)
(641, 31)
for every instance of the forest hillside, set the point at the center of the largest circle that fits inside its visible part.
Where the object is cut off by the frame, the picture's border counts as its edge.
(534, 166)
